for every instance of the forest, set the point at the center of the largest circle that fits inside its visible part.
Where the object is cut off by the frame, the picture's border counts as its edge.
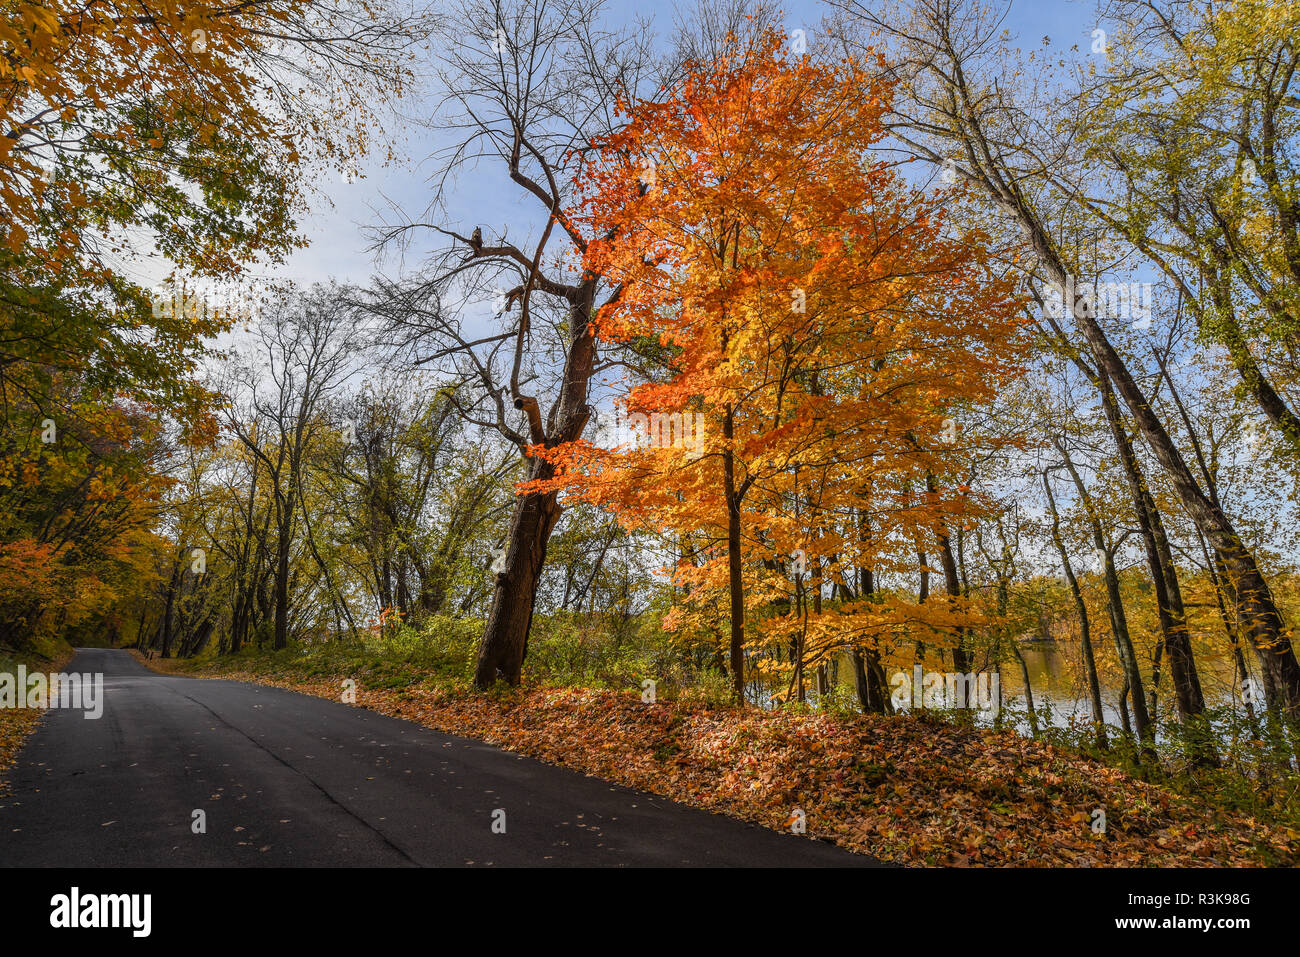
(868, 362)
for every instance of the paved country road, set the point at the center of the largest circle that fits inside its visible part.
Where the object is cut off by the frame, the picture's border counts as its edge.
(289, 780)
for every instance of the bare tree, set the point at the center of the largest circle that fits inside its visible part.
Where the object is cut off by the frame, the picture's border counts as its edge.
(309, 343)
(529, 84)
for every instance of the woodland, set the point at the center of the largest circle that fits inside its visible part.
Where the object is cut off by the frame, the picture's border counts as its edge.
(788, 358)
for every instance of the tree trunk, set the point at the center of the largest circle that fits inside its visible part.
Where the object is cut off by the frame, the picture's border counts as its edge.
(1085, 627)
(168, 615)
(1029, 688)
(1115, 608)
(505, 640)
(733, 566)
(951, 583)
(868, 678)
(1125, 723)
(1169, 600)
(282, 593)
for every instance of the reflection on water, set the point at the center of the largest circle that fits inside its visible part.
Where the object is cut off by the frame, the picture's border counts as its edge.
(1060, 683)
(1057, 676)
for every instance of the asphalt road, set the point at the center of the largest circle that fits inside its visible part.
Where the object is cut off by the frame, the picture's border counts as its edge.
(289, 780)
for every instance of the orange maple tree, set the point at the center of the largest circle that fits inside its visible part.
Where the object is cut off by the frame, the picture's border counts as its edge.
(818, 327)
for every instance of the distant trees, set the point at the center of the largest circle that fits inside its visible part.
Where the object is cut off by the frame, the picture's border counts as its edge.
(1051, 166)
(418, 499)
(127, 133)
(325, 506)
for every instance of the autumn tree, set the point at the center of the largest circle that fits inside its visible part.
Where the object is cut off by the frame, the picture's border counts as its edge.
(201, 157)
(308, 344)
(820, 329)
(80, 496)
(980, 113)
(1200, 117)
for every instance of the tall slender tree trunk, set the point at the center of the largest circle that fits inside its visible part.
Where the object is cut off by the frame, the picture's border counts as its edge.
(282, 592)
(1085, 627)
(868, 676)
(1029, 688)
(951, 584)
(1175, 638)
(735, 584)
(1115, 609)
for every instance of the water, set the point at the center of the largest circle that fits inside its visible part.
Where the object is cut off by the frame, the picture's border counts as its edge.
(1058, 679)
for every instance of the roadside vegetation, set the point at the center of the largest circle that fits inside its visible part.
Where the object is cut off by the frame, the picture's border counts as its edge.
(17, 724)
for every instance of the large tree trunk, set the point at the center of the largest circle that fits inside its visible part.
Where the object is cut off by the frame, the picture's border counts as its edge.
(1212, 567)
(242, 585)
(505, 640)
(869, 678)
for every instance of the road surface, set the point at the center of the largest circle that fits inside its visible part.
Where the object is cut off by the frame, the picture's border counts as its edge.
(288, 780)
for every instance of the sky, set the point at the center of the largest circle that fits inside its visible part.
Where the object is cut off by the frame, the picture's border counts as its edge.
(338, 225)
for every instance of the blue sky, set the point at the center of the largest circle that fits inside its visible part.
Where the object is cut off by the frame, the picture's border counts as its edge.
(337, 229)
